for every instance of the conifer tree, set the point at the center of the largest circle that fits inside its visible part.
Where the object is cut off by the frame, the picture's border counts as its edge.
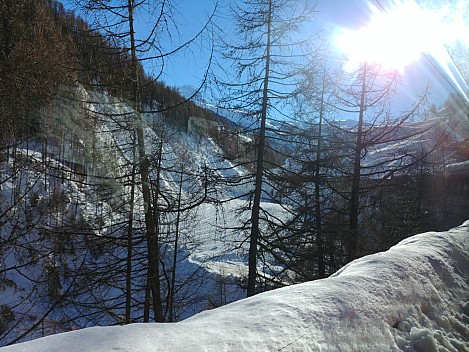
(267, 61)
(369, 95)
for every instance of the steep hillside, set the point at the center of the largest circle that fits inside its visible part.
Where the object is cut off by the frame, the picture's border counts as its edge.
(65, 205)
(125, 203)
(38, 35)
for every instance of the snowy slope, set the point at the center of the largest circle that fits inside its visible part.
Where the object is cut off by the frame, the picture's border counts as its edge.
(212, 256)
(437, 134)
(414, 297)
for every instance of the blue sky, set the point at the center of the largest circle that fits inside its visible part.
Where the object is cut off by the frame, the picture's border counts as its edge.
(187, 67)
(332, 15)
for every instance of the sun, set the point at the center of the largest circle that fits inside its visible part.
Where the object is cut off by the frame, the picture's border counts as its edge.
(398, 36)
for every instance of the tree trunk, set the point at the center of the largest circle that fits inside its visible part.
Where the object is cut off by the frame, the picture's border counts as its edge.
(317, 189)
(176, 243)
(254, 238)
(356, 176)
(128, 276)
(153, 275)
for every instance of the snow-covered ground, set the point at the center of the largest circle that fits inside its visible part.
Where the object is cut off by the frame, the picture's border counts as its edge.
(212, 249)
(221, 246)
(414, 297)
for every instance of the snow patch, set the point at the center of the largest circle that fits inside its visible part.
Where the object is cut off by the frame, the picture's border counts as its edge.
(413, 297)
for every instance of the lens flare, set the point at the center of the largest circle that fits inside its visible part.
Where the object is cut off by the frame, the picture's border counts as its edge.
(405, 32)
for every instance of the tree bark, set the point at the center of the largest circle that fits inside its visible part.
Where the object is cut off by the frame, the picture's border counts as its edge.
(356, 176)
(254, 238)
(153, 275)
(317, 188)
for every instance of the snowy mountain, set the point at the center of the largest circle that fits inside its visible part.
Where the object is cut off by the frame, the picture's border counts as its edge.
(62, 202)
(121, 202)
(410, 298)
(443, 137)
(413, 297)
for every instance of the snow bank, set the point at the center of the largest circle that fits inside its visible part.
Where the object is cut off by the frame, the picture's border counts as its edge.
(414, 297)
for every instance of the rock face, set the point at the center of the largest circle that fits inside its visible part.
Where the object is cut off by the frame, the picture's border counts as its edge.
(198, 125)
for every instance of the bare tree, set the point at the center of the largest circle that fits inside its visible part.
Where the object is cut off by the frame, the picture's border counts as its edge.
(117, 22)
(369, 95)
(267, 62)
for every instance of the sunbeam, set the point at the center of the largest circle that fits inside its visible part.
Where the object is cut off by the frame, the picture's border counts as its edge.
(401, 33)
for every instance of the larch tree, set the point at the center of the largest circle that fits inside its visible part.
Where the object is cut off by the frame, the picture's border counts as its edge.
(302, 182)
(267, 61)
(117, 22)
(367, 94)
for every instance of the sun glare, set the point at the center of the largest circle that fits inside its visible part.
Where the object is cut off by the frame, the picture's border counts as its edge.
(398, 36)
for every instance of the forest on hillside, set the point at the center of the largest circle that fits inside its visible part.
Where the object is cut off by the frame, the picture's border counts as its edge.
(108, 175)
